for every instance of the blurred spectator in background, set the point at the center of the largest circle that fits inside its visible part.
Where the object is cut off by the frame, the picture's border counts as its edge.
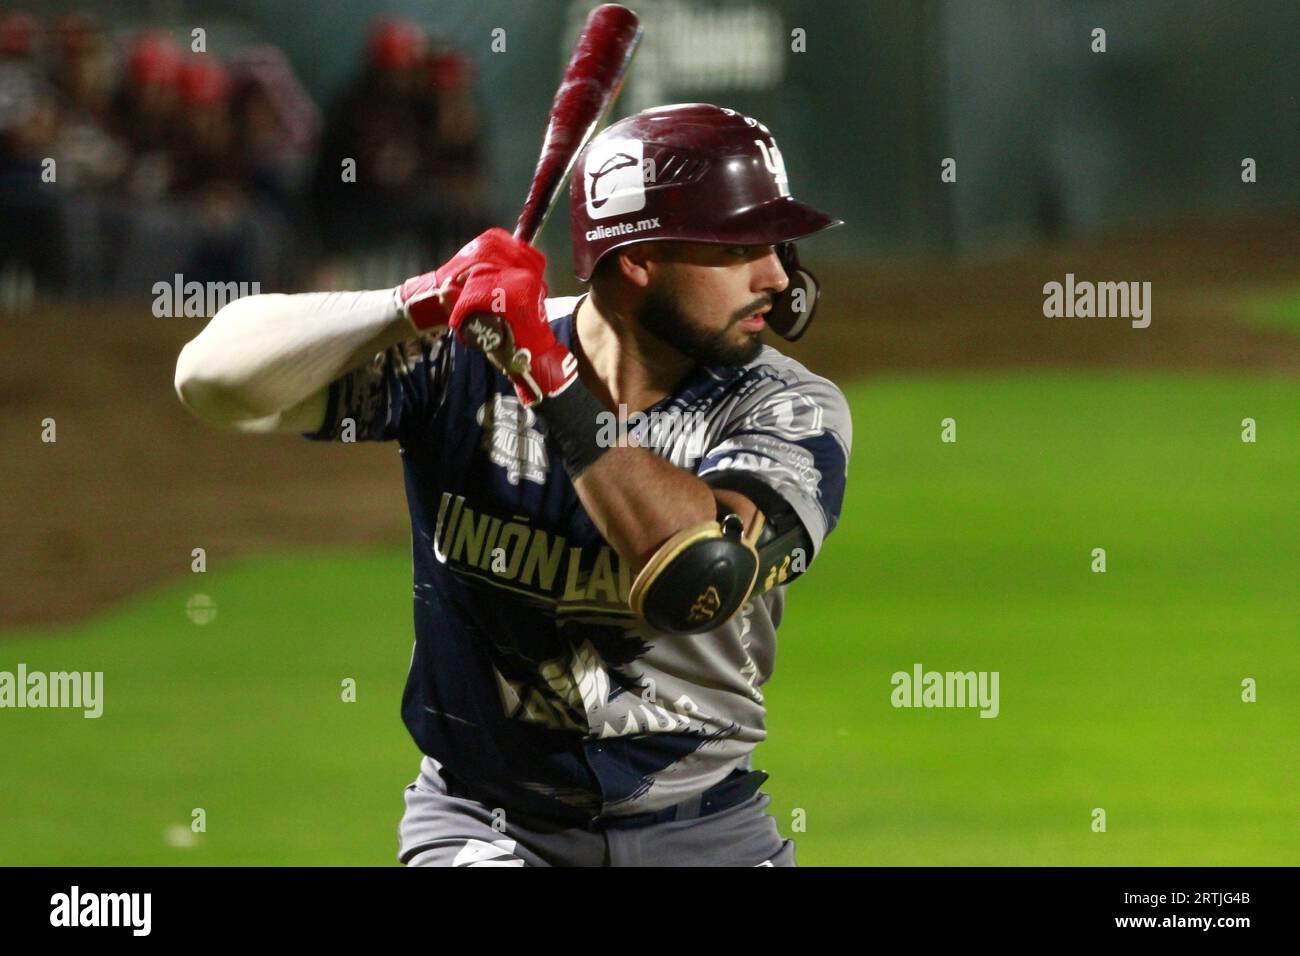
(56, 153)
(204, 154)
(375, 124)
(29, 126)
(123, 163)
(454, 148)
(28, 113)
(213, 226)
(277, 126)
(83, 68)
(88, 154)
(146, 112)
(410, 124)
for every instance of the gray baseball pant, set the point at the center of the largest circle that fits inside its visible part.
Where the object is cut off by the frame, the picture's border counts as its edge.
(439, 829)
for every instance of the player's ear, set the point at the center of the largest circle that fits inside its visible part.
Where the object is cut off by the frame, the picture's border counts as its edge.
(636, 263)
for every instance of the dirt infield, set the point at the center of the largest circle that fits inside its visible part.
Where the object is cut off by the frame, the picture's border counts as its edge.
(134, 483)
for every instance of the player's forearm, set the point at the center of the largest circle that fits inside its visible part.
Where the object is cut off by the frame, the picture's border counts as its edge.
(638, 500)
(263, 354)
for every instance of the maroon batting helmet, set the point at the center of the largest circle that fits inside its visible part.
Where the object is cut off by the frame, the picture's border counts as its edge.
(697, 173)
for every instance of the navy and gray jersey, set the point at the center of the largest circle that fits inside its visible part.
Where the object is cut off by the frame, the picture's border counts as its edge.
(531, 679)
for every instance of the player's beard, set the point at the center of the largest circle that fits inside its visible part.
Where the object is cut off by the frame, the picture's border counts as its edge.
(662, 317)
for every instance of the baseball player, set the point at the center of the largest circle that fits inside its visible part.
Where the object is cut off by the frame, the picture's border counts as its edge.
(608, 496)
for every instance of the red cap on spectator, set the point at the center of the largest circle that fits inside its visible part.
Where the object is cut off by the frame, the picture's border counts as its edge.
(78, 34)
(204, 81)
(154, 60)
(395, 44)
(18, 32)
(450, 70)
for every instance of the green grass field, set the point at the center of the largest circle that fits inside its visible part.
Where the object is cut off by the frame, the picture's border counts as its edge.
(1279, 309)
(1119, 690)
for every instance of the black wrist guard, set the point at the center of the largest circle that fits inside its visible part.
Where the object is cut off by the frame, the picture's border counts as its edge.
(572, 426)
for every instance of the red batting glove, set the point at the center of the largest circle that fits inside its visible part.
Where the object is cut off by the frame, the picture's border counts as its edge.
(501, 311)
(428, 300)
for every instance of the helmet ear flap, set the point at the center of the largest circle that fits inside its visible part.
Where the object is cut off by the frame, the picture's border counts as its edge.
(792, 310)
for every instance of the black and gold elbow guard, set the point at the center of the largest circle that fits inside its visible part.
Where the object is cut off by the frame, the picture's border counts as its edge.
(705, 574)
(699, 578)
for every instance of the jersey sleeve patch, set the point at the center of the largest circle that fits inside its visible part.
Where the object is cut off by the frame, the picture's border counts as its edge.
(791, 440)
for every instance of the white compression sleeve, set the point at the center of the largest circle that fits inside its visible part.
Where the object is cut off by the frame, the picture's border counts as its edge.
(264, 361)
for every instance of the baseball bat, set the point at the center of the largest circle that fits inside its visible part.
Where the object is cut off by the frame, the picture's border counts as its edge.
(590, 84)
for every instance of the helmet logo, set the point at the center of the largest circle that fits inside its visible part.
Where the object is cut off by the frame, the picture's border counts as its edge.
(613, 164)
(775, 164)
(612, 179)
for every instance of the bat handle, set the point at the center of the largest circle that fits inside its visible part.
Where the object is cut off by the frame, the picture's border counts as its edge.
(491, 335)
